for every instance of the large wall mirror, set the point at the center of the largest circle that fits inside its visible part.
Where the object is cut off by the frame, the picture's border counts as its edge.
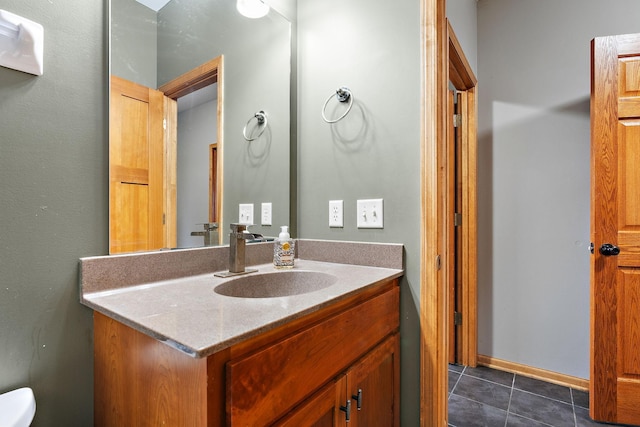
(156, 44)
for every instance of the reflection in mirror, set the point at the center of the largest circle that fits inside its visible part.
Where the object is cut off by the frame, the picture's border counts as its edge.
(196, 173)
(154, 47)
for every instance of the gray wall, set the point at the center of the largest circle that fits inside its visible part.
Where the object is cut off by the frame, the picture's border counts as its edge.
(533, 72)
(372, 47)
(54, 201)
(134, 42)
(463, 16)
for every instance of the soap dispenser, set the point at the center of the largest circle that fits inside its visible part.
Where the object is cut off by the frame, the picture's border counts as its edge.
(284, 249)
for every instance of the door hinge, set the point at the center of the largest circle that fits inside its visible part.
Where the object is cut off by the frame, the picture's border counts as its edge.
(164, 219)
(457, 120)
(457, 318)
(457, 219)
(164, 124)
(438, 263)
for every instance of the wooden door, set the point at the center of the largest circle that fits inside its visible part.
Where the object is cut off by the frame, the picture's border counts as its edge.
(455, 188)
(136, 168)
(615, 226)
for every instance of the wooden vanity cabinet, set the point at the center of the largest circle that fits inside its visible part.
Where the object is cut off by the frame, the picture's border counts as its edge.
(366, 395)
(300, 374)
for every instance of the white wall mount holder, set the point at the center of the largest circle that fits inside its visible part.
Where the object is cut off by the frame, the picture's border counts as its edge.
(21, 43)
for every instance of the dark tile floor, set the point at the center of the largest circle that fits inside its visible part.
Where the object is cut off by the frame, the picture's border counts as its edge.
(491, 398)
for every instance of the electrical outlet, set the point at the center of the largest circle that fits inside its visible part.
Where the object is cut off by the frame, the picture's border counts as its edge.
(265, 217)
(246, 213)
(336, 213)
(370, 213)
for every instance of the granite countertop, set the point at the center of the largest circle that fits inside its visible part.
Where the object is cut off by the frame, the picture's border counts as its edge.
(186, 313)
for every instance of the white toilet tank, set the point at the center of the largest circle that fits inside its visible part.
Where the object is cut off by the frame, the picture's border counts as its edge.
(17, 408)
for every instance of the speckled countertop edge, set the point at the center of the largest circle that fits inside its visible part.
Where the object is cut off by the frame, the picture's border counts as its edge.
(174, 302)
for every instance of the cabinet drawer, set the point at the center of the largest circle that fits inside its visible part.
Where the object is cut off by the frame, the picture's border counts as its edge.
(265, 385)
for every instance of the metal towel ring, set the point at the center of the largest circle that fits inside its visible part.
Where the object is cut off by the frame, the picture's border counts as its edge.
(343, 94)
(261, 118)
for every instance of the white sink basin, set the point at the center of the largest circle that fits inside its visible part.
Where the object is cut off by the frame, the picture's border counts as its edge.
(276, 284)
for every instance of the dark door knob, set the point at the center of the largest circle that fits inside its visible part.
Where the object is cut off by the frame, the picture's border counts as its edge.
(608, 249)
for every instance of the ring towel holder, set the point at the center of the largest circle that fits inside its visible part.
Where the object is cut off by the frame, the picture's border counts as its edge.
(261, 118)
(343, 94)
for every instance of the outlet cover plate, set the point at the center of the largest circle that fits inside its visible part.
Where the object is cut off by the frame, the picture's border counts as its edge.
(265, 217)
(336, 213)
(245, 213)
(370, 213)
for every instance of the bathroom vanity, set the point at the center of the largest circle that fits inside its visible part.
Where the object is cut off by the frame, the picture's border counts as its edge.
(197, 350)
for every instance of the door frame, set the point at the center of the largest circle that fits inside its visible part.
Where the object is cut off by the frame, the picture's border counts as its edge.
(204, 75)
(434, 224)
(433, 291)
(463, 79)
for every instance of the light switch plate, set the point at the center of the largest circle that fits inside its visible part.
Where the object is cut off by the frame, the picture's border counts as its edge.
(265, 216)
(246, 213)
(336, 213)
(370, 213)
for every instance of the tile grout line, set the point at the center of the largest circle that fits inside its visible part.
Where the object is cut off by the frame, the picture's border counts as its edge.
(573, 406)
(457, 381)
(513, 383)
(571, 401)
(546, 397)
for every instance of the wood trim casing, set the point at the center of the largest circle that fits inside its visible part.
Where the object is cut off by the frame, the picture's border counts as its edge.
(463, 79)
(460, 72)
(532, 372)
(433, 292)
(470, 225)
(197, 78)
(170, 179)
(438, 42)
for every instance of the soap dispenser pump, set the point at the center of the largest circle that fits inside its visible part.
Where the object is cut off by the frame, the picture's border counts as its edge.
(284, 250)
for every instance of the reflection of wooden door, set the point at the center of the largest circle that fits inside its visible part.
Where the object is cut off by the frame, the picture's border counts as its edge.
(136, 168)
(615, 221)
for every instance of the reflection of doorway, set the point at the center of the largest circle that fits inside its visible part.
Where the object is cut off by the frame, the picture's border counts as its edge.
(201, 79)
(197, 130)
(461, 207)
(143, 159)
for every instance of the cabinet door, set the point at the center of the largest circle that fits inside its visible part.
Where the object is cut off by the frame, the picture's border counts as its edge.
(374, 387)
(320, 410)
(264, 386)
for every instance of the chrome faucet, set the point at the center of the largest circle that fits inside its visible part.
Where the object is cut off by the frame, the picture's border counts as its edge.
(237, 244)
(210, 233)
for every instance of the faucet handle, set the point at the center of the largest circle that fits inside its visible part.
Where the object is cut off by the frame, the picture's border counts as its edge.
(238, 228)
